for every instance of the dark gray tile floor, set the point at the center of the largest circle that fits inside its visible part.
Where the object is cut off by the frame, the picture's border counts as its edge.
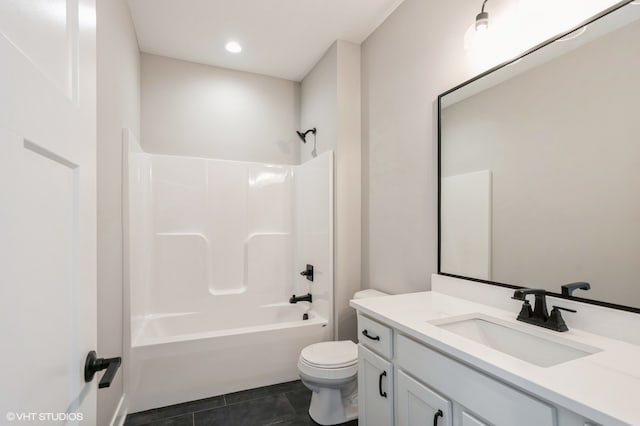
(284, 404)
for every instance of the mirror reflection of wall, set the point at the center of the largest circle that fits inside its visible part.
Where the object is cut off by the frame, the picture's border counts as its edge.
(561, 142)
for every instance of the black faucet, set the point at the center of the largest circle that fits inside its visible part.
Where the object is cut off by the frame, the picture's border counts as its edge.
(539, 315)
(306, 298)
(567, 289)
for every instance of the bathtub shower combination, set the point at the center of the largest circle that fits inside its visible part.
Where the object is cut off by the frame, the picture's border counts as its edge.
(215, 252)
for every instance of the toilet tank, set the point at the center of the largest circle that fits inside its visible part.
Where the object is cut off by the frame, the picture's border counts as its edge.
(363, 294)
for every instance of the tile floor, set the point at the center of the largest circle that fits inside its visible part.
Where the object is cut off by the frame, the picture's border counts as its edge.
(284, 404)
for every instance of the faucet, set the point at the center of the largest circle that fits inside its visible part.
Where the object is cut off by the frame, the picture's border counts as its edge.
(567, 289)
(308, 272)
(539, 315)
(306, 298)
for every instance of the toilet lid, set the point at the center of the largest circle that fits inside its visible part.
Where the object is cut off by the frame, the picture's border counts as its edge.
(331, 354)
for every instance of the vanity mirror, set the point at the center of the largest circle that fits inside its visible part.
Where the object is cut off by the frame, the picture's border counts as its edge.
(539, 166)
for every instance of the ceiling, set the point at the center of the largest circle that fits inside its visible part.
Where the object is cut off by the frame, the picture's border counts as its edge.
(280, 38)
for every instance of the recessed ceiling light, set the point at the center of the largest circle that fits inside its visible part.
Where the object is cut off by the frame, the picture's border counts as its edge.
(233, 47)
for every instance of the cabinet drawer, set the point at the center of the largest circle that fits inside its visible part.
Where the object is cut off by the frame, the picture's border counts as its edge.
(375, 336)
(489, 398)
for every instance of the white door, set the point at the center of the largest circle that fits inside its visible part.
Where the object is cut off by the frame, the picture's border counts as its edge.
(47, 210)
(375, 389)
(417, 405)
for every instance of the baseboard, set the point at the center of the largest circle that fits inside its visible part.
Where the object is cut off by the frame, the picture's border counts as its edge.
(121, 412)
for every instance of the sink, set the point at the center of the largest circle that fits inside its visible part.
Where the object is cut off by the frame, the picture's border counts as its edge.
(527, 345)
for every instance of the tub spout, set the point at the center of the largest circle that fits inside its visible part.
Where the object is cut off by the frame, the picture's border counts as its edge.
(306, 298)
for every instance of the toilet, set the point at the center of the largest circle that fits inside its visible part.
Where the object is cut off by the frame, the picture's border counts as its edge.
(330, 371)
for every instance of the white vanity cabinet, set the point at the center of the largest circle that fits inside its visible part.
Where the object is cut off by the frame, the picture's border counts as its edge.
(404, 382)
(375, 373)
(417, 405)
(480, 395)
(375, 389)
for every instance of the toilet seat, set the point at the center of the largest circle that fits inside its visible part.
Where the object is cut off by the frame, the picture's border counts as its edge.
(329, 360)
(331, 354)
(327, 373)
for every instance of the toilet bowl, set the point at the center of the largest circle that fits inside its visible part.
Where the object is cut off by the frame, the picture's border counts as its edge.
(330, 371)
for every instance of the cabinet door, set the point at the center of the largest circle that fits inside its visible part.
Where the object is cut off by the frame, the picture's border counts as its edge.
(375, 389)
(417, 405)
(469, 420)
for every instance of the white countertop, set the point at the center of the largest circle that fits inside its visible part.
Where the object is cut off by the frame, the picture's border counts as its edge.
(604, 387)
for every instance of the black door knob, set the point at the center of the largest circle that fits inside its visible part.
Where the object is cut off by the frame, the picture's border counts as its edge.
(93, 364)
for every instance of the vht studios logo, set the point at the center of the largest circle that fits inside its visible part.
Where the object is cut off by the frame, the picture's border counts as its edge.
(45, 417)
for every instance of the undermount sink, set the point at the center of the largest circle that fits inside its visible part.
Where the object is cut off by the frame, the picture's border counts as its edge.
(538, 349)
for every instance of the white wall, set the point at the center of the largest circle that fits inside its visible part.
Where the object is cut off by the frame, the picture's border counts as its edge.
(318, 103)
(118, 79)
(204, 111)
(348, 188)
(330, 101)
(416, 54)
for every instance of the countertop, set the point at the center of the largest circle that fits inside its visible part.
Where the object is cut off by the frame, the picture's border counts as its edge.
(603, 387)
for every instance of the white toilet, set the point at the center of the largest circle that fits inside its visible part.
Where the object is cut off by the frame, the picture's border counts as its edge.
(330, 370)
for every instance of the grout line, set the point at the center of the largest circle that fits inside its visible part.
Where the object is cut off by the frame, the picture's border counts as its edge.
(193, 419)
(210, 409)
(225, 404)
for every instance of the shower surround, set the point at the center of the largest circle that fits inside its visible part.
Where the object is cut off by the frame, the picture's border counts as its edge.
(215, 251)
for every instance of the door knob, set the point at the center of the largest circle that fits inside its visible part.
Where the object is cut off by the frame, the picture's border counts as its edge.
(93, 364)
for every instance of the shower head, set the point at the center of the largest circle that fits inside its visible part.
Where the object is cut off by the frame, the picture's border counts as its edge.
(303, 136)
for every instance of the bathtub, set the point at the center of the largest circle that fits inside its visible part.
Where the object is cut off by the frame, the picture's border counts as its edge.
(214, 250)
(182, 357)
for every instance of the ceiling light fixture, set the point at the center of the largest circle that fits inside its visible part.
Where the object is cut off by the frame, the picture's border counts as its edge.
(482, 19)
(233, 47)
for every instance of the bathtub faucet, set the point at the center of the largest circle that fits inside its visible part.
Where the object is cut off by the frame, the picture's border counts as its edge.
(305, 298)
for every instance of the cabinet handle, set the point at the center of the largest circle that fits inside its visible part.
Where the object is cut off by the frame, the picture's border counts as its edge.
(366, 334)
(382, 394)
(439, 413)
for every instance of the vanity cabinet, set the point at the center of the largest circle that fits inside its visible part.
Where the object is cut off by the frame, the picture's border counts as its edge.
(417, 405)
(478, 393)
(406, 383)
(375, 389)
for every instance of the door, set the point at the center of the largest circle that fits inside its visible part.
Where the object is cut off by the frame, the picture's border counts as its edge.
(47, 210)
(420, 406)
(375, 389)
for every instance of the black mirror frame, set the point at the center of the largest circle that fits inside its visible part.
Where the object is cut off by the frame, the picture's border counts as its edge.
(439, 104)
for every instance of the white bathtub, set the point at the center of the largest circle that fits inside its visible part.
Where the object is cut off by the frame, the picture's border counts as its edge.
(214, 250)
(188, 356)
